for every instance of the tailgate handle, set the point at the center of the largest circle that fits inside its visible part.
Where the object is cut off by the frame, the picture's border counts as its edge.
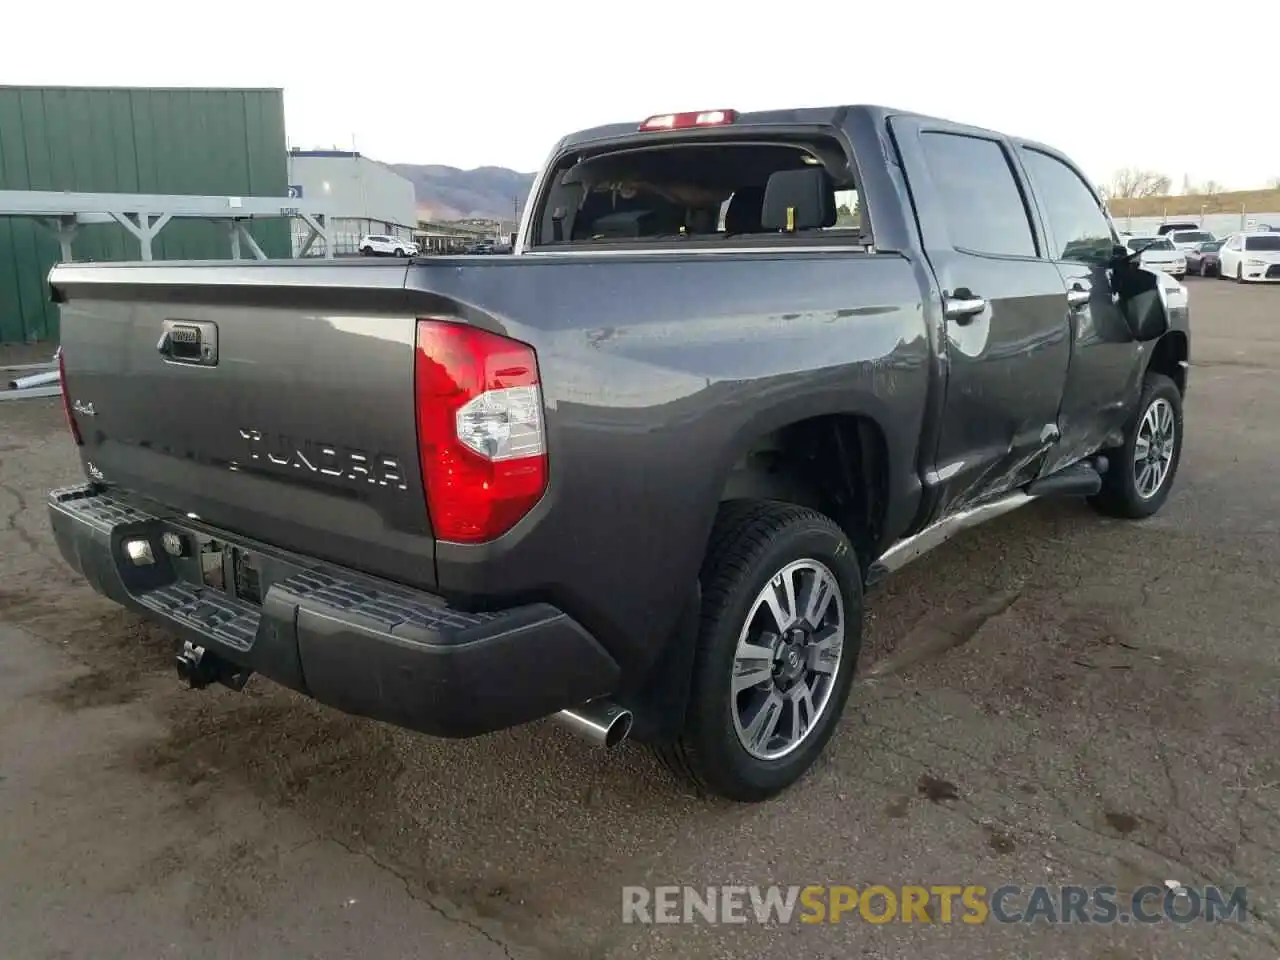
(189, 341)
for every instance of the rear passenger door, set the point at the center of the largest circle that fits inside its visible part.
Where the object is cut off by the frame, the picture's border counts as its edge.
(1004, 336)
(1103, 379)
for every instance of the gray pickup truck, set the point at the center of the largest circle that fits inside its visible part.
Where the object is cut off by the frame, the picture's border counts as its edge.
(637, 474)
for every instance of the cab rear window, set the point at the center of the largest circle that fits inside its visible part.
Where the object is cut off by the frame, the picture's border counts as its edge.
(702, 193)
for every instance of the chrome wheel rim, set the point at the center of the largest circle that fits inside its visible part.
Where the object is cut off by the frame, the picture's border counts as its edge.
(1153, 452)
(788, 655)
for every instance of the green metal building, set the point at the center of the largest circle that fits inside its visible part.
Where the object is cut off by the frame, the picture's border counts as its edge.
(110, 140)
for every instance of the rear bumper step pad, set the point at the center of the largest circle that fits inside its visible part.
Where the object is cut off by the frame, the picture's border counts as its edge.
(361, 645)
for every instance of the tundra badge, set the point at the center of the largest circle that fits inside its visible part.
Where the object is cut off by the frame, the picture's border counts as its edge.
(324, 459)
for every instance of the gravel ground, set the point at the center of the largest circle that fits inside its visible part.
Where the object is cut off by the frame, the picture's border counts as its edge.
(1052, 698)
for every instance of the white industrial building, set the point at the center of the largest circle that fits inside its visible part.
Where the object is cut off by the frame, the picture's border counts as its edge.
(362, 195)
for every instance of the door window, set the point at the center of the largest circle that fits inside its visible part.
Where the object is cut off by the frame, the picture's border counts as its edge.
(981, 200)
(1080, 229)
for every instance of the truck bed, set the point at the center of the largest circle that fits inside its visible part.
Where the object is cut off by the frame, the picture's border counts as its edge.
(657, 372)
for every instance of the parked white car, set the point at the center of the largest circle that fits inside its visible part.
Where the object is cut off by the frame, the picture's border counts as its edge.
(1251, 257)
(1159, 254)
(1186, 240)
(378, 244)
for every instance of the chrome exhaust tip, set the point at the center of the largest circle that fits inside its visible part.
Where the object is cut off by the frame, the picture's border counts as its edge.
(601, 722)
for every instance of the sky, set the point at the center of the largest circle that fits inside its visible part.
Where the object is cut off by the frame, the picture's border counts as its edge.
(1168, 86)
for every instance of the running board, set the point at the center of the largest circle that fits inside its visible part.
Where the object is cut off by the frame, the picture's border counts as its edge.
(936, 534)
(1082, 479)
(1078, 480)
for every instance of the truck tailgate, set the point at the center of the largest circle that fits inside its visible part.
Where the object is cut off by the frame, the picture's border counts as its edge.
(272, 400)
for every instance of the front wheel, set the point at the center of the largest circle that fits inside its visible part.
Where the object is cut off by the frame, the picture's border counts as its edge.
(1140, 472)
(778, 644)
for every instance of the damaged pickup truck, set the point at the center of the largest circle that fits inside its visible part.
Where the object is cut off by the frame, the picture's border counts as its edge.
(637, 474)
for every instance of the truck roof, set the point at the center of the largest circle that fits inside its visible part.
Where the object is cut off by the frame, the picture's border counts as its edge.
(839, 115)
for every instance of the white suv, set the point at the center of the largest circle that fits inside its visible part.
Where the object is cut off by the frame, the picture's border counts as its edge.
(1186, 240)
(375, 244)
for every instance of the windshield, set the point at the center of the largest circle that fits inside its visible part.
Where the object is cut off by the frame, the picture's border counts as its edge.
(1192, 236)
(1141, 244)
(1268, 243)
(1212, 245)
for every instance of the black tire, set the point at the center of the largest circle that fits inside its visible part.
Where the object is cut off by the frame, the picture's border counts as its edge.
(1119, 496)
(399, 251)
(366, 251)
(753, 540)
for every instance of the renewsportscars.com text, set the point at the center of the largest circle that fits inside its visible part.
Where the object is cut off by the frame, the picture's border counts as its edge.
(940, 903)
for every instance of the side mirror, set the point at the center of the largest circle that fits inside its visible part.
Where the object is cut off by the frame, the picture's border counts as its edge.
(1140, 297)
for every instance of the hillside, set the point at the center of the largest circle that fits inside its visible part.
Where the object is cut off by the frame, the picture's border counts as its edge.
(1253, 201)
(447, 193)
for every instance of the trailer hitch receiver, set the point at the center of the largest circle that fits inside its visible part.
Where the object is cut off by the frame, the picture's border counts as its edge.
(198, 668)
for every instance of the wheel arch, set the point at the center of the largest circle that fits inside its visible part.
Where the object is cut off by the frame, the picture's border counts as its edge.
(769, 461)
(1169, 357)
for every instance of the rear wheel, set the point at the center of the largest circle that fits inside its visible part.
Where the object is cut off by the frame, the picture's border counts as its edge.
(1140, 472)
(778, 645)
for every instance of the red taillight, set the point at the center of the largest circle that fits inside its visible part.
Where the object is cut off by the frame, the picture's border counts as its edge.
(686, 121)
(66, 400)
(481, 438)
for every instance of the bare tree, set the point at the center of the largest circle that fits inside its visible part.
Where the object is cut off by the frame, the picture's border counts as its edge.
(1206, 188)
(1132, 182)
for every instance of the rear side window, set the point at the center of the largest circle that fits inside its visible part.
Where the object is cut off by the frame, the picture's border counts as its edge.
(983, 206)
(1080, 229)
(1270, 243)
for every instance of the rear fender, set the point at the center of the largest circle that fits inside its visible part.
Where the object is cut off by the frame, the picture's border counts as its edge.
(902, 487)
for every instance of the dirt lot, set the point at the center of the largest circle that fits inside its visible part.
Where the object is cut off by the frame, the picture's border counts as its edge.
(1098, 699)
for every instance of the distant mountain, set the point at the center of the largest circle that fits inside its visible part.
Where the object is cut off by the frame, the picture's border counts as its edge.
(447, 193)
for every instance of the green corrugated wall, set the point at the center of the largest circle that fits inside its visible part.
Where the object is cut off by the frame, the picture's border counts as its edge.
(106, 140)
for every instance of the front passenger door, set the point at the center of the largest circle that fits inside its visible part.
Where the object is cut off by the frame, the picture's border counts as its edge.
(1004, 336)
(1104, 378)
(1229, 256)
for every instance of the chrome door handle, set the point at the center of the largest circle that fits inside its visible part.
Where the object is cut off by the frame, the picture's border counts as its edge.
(964, 308)
(1077, 297)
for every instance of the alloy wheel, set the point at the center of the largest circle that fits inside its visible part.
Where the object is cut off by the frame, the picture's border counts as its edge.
(788, 655)
(1154, 448)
